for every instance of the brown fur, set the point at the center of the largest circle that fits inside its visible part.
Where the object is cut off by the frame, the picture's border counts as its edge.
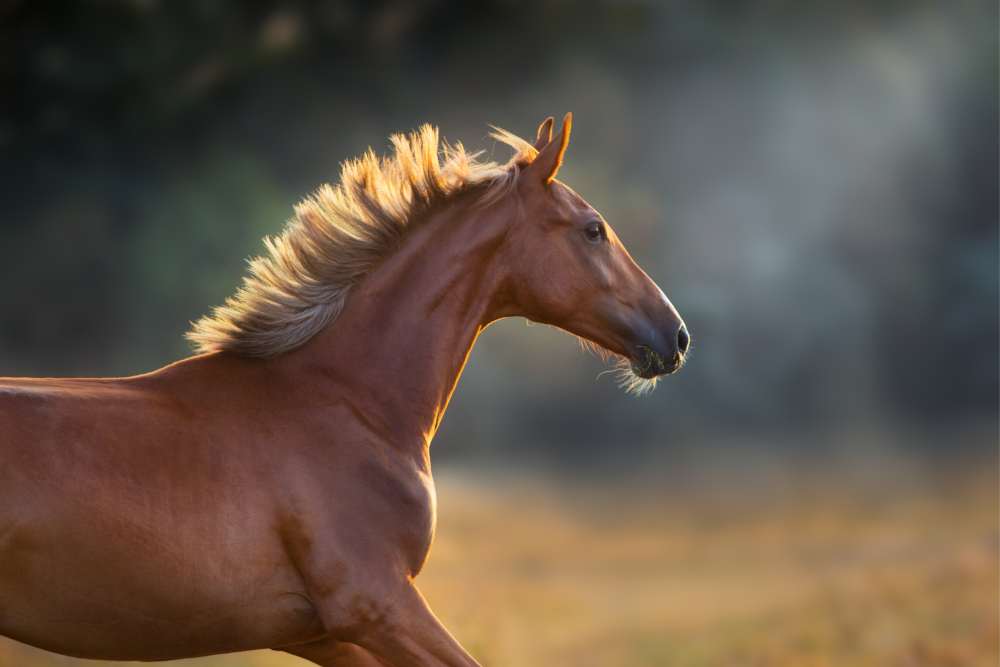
(276, 491)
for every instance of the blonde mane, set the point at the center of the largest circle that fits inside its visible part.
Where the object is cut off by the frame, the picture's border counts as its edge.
(340, 233)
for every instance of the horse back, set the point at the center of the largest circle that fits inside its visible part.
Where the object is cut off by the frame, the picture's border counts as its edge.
(43, 418)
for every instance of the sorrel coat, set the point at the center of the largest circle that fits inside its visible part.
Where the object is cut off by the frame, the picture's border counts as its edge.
(275, 490)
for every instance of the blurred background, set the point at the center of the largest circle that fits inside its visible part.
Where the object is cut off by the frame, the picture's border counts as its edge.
(815, 186)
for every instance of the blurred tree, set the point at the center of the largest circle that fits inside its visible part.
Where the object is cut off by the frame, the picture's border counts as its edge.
(827, 173)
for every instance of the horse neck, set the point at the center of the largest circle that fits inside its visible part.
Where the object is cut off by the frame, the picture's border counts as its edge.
(402, 340)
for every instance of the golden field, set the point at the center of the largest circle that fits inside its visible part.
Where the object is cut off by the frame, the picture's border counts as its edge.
(803, 573)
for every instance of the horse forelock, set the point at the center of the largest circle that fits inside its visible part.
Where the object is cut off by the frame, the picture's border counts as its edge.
(339, 233)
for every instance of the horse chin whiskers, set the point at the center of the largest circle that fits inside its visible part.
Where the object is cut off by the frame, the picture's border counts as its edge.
(623, 369)
(630, 380)
(593, 348)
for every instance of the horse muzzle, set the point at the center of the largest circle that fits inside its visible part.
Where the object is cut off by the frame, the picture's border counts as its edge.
(663, 355)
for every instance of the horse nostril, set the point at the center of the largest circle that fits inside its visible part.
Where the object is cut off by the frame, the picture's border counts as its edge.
(683, 339)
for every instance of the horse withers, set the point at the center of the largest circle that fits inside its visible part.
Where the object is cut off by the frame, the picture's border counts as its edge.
(275, 490)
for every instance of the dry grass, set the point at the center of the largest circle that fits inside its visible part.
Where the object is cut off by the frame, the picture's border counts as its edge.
(527, 575)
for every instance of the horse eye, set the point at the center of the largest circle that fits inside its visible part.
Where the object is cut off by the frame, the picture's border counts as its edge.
(594, 231)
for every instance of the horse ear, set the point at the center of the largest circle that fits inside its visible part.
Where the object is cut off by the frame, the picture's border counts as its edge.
(546, 164)
(544, 133)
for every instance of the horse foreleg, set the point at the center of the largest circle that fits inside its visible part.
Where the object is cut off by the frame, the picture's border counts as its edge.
(407, 634)
(331, 653)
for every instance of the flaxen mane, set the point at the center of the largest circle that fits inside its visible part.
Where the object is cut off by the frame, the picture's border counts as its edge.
(339, 233)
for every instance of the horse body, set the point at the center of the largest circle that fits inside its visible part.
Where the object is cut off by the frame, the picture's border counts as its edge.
(204, 507)
(148, 527)
(230, 501)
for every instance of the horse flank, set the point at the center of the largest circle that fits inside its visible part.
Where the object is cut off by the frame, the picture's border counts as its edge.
(340, 233)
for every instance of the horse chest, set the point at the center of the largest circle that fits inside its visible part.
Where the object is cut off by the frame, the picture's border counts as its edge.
(402, 506)
(366, 512)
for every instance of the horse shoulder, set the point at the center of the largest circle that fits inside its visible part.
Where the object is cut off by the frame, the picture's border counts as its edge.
(357, 504)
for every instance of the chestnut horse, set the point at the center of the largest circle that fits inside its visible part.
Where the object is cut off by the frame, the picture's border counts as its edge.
(275, 490)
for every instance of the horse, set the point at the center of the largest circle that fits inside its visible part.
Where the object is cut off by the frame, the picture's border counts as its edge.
(274, 490)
